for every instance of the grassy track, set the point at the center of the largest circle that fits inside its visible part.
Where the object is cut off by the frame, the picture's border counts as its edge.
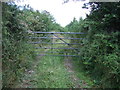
(51, 73)
(85, 80)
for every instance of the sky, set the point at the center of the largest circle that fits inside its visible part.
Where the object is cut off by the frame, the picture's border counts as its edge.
(63, 13)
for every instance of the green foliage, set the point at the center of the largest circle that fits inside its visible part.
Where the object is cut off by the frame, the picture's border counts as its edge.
(36, 21)
(102, 55)
(17, 54)
(100, 51)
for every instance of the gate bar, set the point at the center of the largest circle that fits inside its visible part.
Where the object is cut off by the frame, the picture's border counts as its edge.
(61, 39)
(59, 32)
(55, 38)
(54, 43)
(58, 55)
(50, 52)
(55, 48)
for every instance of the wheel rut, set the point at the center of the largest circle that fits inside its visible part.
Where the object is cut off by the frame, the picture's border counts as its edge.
(70, 68)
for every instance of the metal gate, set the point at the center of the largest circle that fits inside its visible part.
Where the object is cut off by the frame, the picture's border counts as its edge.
(45, 43)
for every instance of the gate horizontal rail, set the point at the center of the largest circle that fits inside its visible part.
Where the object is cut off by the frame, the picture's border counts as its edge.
(54, 48)
(50, 52)
(58, 55)
(59, 32)
(56, 38)
(54, 43)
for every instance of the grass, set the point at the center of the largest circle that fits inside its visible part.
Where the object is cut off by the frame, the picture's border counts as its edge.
(80, 73)
(51, 73)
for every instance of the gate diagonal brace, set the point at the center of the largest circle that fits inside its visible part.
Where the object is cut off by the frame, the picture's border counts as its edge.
(65, 42)
(61, 39)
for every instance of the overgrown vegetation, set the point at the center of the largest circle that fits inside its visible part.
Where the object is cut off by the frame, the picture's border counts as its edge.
(18, 55)
(100, 50)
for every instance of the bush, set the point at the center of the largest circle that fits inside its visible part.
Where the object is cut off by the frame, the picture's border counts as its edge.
(17, 54)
